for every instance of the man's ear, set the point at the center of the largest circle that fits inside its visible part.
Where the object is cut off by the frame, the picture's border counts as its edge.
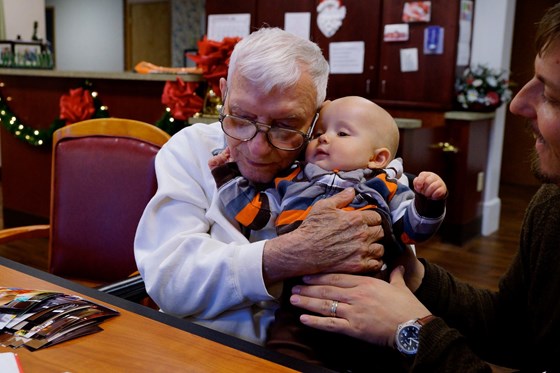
(223, 88)
(380, 158)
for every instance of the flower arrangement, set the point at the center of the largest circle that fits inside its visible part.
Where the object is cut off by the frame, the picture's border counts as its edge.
(481, 88)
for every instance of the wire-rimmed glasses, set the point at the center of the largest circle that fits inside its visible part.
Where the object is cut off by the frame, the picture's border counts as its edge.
(244, 129)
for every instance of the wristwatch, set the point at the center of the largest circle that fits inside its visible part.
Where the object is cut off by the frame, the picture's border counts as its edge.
(407, 337)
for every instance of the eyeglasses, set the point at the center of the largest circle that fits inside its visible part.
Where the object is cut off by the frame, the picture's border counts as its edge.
(244, 130)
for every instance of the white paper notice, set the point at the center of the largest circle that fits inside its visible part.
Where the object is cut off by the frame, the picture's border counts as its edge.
(347, 57)
(463, 54)
(465, 31)
(228, 25)
(298, 24)
(409, 59)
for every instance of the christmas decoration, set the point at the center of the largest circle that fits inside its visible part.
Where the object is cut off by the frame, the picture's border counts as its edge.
(181, 101)
(213, 60)
(80, 104)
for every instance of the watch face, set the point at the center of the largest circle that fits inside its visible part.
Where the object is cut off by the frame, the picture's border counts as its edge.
(407, 339)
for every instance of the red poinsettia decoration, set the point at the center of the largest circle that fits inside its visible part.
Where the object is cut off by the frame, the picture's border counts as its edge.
(181, 99)
(213, 58)
(76, 106)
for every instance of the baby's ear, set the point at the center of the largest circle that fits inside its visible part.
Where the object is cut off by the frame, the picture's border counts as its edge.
(380, 158)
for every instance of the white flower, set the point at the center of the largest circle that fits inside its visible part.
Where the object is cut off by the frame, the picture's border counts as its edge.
(477, 83)
(491, 81)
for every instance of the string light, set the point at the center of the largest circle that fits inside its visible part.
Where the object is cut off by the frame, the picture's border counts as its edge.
(43, 136)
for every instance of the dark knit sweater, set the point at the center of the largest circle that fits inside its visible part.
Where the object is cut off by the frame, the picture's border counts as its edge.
(518, 326)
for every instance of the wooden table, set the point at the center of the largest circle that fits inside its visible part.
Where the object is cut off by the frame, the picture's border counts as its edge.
(139, 340)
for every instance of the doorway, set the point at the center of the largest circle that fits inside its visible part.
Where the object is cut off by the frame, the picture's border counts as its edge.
(147, 32)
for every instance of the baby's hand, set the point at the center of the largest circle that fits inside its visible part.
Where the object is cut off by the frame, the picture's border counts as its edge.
(220, 159)
(430, 185)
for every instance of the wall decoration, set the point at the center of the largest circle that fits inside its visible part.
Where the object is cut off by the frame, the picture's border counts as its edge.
(213, 59)
(417, 11)
(433, 40)
(79, 104)
(409, 59)
(182, 100)
(222, 26)
(330, 14)
(465, 31)
(347, 57)
(395, 32)
(298, 23)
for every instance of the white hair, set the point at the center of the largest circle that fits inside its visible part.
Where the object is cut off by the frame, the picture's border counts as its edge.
(272, 57)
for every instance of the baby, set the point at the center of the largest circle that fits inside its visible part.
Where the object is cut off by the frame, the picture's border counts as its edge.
(354, 145)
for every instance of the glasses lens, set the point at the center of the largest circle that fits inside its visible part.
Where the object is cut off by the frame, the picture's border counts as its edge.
(238, 128)
(244, 130)
(285, 139)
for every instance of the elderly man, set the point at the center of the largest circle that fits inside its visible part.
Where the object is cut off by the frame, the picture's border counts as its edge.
(198, 264)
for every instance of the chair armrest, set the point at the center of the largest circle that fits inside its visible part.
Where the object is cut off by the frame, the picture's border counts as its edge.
(131, 288)
(19, 233)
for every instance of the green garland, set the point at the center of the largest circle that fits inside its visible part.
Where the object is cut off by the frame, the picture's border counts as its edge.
(42, 137)
(170, 124)
(30, 135)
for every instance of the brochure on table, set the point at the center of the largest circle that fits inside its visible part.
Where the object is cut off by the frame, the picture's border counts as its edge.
(38, 319)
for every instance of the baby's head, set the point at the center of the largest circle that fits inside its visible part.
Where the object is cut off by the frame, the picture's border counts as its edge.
(353, 132)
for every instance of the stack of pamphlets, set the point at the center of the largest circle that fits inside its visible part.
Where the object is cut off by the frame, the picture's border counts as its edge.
(38, 319)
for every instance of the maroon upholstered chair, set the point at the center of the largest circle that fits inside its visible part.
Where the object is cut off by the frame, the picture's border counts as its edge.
(102, 178)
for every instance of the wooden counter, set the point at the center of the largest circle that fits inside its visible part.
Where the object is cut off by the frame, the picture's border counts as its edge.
(126, 75)
(33, 97)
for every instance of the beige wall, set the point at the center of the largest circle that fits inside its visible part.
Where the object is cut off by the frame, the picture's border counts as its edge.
(19, 18)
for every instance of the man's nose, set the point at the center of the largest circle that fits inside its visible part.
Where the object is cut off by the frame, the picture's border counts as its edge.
(523, 103)
(259, 144)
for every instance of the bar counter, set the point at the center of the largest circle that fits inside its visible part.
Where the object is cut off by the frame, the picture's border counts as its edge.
(125, 75)
(33, 96)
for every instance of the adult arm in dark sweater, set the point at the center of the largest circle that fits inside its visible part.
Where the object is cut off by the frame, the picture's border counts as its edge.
(518, 325)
